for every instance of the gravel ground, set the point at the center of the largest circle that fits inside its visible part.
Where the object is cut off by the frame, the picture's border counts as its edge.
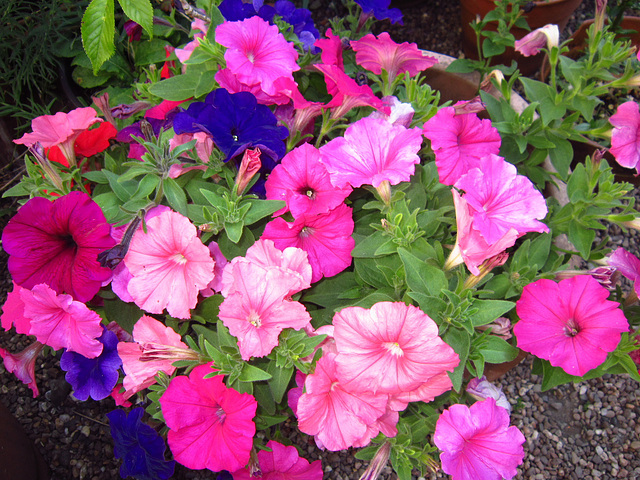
(587, 431)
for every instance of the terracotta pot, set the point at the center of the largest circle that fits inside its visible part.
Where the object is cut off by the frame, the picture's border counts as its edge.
(544, 12)
(579, 38)
(494, 371)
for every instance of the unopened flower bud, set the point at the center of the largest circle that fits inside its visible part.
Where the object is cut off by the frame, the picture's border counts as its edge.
(531, 43)
(37, 150)
(486, 85)
(501, 327)
(378, 462)
(488, 265)
(102, 102)
(112, 257)
(124, 110)
(248, 168)
(474, 105)
(481, 389)
(384, 190)
(605, 275)
(601, 12)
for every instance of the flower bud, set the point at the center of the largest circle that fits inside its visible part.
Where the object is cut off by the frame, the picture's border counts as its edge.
(530, 44)
(378, 462)
(481, 389)
(501, 327)
(248, 168)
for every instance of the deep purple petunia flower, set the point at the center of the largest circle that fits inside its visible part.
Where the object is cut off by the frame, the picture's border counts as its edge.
(380, 9)
(58, 243)
(139, 446)
(93, 377)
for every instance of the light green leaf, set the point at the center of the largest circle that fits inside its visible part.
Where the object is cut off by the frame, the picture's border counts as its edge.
(175, 195)
(497, 350)
(489, 310)
(98, 29)
(422, 277)
(180, 87)
(280, 378)
(141, 12)
(253, 374)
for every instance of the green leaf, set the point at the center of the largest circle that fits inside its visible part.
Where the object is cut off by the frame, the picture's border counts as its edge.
(180, 87)
(97, 176)
(280, 379)
(497, 350)
(124, 314)
(489, 310)
(175, 195)
(141, 12)
(123, 190)
(366, 247)
(261, 208)
(98, 29)
(582, 238)
(422, 277)
(87, 79)
(561, 156)
(150, 52)
(459, 340)
(539, 251)
(253, 374)
(578, 184)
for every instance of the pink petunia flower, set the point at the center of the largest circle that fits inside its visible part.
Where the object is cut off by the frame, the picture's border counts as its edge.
(477, 442)
(625, 138)
(459, 142)
(61, 322)
(13, 312)
(372, 151)
(481, 388)
(303, 182)
(282, 463)
(571, 323)
(331, 49)
(57, 243)
(389, 348)
(627, 264)
(499, 199)
(230, 82)
(399, 113)
(210, 426)
(169, 265)
(381, 53)
(256, 311)
(23, 365)
(531, 44)
(257, 52)
(326, 238)
(184, 54)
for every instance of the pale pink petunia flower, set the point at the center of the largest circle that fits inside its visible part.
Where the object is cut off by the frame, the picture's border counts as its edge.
(399, 113)
(326, 238)
(477, 442)
(426, 392)
(627, 264)
(571, 323)
(372, 151)
(499, 199)
(169, 265)
(204, 147)
(481, 388)
(303, 182)
(381, 53)
(257, 52)
(62, 322)
(531, 44)
(459, 142)
(210, 426)
(625, 138)
(282, 463)
(23, 365)
(390, 348)
(184, 54)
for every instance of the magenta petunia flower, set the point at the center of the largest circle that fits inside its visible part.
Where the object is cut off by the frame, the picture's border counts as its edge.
(169, 265)
(623, 261)
(499, 199)
(625, 138)
(477, 442)
(210, 426)
(381, 53)
(372, 151)
(304, 184)
(326, 238)
(13, 312)
(282, 463)
(257, 52)
(331, 49)
(390, 348)
(459, 141)
(230, 82)
(23, 365)
(571, 323)
(57, 243)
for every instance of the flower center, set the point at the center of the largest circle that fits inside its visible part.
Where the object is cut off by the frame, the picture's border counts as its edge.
(69, 241)
(254, 319)
(306, 232)
(251, 56)
(220, 413)
(571, 329)
(179, 258)
(393, 348)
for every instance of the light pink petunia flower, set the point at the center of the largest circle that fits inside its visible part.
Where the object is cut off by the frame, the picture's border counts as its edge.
(381, 53)
(477, 442)
(303, 182)
(499, 199)
(481, 388)
(282, 463)
(399, 113)
(625, 138)
(184, 54)
(23, 365)
(210, 426)
(531, 44)
(571, 323)
(372, 151)
(257, 52)
(169, 265)
(390, 348)
(459, 142)
(627, 264)
(326, 238)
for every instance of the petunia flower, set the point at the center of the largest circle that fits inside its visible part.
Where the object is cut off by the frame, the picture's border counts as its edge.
(331, 48)
(627, 264)
(477, 442)
(303, 182)
(87, 144)
(282, 463)
(57, 243)
(531, 44)
(13, 312)
(390, 348)
(571, 323)
(139, 446)
(326, 238)
(625, 138)
(210, 425)
(257, 52)
(201, 27)
(169, 265)
(481, 388)
(93, 377)
(23, 365)
(230, 82)
(459, 142)
(399, 113)
(380, 9)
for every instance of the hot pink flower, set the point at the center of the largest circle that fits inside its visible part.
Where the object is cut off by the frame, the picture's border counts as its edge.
(210, 426)
(625, 139)
(13, 312)
(257, 52)
(256, 311)
(477, 443)
(61, 322)
(382, 53)
(389, 348)
(459, 141)
(303, 111)
(169, 265)
(626, 263)
(372, 151)
(57, 243)
(326, 238)
(571, 323)
(23, 365)
(229, 81)
(282, 463)
(331, 49)
(304, 183)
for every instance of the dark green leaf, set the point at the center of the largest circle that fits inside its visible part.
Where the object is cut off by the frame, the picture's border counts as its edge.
(141, 12)
(98, 30)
